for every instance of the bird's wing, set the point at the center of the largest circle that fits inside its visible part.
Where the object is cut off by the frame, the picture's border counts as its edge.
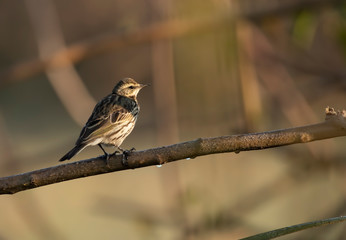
(104, 119)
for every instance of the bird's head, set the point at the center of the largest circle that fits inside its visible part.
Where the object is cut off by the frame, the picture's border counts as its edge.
(128, 88)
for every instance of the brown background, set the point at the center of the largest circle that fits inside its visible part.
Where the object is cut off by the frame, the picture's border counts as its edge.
(278, 64)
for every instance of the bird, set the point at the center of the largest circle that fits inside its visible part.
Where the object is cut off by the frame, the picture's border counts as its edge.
(112, 119)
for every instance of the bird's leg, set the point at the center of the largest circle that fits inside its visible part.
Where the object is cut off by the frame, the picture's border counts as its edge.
(121, 150)
(107, 155)
(103, 149)
(117, 151)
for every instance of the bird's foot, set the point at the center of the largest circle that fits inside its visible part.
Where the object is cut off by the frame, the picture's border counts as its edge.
(126, 153)
(107, 157)
(117, 151)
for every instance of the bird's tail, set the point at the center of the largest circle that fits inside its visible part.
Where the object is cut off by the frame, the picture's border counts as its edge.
(73, 152)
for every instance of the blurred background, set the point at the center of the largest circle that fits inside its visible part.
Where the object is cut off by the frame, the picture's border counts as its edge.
(216, 67)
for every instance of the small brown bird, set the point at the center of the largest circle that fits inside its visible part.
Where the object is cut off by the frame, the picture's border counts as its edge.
(112, 119)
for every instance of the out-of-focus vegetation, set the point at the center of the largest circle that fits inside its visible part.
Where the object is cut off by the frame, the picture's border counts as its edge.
(221, 68)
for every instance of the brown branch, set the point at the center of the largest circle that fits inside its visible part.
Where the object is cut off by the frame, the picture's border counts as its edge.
(334, 126)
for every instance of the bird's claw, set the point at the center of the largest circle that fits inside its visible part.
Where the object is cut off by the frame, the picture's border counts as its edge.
(106, 156)
(126, 153)
(124, 160)
(115, 152)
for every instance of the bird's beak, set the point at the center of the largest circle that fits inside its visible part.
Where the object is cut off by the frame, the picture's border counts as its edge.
(144, 85)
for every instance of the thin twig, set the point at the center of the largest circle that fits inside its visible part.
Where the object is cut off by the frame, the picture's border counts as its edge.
(295, 228)
(334, 126)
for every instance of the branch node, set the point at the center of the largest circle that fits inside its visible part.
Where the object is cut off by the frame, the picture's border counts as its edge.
(338, 117)
(331, 112)
(33, 181)
(161, 160)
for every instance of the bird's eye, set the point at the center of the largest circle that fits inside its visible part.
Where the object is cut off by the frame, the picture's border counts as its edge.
(131, 87)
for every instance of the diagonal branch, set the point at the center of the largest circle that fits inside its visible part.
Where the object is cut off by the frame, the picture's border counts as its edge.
(334, 126)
